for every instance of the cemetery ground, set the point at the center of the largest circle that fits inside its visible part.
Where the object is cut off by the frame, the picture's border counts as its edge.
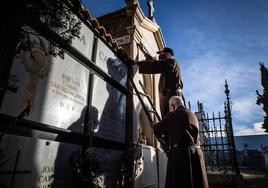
(248, 178)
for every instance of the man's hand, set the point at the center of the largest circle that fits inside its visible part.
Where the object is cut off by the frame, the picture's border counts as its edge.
(132, 62)
(148, 56)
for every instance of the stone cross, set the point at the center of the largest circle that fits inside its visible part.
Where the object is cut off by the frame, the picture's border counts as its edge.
(132, 2)
(150, 9)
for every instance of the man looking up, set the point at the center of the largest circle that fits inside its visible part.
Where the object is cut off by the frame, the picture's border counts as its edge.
(186, 166)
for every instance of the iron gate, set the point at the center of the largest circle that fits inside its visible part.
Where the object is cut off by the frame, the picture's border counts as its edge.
(217, 139)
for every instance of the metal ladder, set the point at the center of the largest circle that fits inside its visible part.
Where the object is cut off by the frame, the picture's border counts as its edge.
(145, 94)
(148, 111)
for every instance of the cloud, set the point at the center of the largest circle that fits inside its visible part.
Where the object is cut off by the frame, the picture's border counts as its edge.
(245, 108)
(204, 78)
(255, 130)
(215, 41)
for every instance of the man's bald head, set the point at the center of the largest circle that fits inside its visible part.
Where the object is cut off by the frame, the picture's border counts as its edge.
(175, 102)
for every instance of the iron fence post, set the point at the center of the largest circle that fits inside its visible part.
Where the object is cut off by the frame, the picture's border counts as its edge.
(229, 127)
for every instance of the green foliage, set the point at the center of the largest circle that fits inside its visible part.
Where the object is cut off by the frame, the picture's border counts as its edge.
(56, 15)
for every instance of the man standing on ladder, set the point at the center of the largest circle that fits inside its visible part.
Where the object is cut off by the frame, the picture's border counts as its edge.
(170, 82)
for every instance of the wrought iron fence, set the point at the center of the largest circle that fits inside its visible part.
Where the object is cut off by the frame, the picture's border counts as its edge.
(217, 139)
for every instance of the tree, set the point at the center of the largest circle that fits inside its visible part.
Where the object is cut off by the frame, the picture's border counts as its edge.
(15, 17)
(263, 99)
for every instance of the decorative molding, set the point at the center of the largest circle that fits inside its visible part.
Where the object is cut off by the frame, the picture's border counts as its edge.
(151, 26)
(137, 36)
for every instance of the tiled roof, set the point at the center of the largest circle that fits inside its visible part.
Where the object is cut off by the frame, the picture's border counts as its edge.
(108, 37)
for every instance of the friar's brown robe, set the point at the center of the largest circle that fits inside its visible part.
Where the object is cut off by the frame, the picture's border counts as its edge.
(186, 166)
(170, 79)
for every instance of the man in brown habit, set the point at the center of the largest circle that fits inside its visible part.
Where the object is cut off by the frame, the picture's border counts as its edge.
(170, 82)
(186, 166)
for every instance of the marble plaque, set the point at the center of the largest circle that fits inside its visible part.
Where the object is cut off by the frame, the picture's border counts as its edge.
(55, 88)
(106, 99)
(36, 163)
(85, 41)
(110, 64)
(111, 107)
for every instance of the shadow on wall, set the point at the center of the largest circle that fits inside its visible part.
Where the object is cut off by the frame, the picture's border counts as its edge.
(69, 169)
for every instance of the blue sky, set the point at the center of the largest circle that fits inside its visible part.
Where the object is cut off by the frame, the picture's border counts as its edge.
(214, 40)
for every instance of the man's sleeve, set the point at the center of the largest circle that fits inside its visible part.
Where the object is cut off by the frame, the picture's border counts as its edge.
(152, 66)
(178, 73)
(193, 127)
(162, 127)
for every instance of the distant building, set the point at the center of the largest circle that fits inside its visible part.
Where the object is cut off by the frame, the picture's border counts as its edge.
(253, 142)
(251, 150)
